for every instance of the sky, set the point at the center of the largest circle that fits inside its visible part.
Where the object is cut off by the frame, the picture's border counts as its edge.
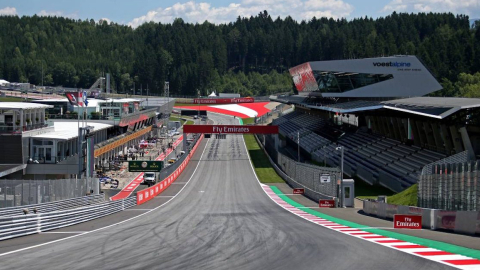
(136, 12)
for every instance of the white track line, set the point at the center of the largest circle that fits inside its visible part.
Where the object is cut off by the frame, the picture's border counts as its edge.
(112, 225)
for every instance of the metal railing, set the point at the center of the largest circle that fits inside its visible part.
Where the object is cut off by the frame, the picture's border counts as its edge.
(22, 225)
(450, 186)
(27, 192)
(306, 177)
(13, 129)
(53, 206)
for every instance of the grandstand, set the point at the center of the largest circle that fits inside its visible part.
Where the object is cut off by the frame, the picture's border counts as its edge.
(389, 132)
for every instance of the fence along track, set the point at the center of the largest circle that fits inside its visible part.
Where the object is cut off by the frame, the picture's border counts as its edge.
(15, 226)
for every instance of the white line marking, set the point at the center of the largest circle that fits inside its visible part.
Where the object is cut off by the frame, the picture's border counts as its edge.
(109, 226)
(137, 209)
(61, 232)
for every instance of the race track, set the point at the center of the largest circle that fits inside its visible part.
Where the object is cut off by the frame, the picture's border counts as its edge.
(221, 220)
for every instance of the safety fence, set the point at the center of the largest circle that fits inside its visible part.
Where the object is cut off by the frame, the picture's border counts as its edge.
(53, 206)
(147, 194)
(26, 192)
(450, 186)
(306, 176)
(467, 222)
(15, 226)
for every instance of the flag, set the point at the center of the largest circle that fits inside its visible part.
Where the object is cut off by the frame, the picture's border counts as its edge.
(85, 98)
(74, 98)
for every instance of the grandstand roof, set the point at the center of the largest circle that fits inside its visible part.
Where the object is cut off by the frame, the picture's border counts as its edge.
(436, 107)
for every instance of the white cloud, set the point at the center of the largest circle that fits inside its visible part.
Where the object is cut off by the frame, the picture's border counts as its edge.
(8, 11)
(46, 13)
(199, 12)
(469, 7)
(104, 19)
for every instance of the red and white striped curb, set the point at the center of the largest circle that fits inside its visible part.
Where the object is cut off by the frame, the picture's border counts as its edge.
(451, 259)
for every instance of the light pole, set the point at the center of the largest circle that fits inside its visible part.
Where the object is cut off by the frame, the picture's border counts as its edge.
(298, 145)
(341, 174)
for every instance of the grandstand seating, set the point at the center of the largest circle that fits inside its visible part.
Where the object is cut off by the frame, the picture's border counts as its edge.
(372, 157)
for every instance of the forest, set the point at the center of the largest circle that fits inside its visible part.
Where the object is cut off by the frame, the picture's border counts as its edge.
(250, 56)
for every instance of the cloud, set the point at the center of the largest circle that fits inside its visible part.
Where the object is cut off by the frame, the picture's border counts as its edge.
(199, 12)
(8, 11)
(469, 7)
(46, 13)
(104, 19)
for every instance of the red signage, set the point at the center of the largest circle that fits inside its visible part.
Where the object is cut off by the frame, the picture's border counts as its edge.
(298, 191)
(230, 129)
(222, 100)
(407, 222)
(326, 203)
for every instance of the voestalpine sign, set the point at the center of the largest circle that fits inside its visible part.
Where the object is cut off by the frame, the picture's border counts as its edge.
(145, 166)
(230, 129)
(407, 222)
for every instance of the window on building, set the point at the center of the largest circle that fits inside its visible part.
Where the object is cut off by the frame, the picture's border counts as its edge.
(331, 81)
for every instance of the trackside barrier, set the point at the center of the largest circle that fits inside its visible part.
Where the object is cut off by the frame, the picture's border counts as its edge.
(147, 194)
(467, 222)
(15, 226)
(53, 206)
(308, 190)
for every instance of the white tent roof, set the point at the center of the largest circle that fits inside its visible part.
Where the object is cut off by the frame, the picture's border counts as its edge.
(2, 82)
(23, 105)
(66, 130)
(212, 94)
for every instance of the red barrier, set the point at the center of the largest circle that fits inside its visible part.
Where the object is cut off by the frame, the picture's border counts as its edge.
(222, 100)
(147, 194)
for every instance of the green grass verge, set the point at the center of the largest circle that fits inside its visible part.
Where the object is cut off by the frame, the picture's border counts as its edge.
(12, 99)
(189, 122)
(406, 197)
(364, 190)
(247, 121)
(173, 118)
(412, 239)
(263, 168)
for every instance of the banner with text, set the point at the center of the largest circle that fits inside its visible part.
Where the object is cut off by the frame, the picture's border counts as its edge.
(230, 129)
(222, 100)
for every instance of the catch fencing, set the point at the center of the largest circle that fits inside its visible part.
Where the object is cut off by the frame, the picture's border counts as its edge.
(453, 186)
(25, 192)
(15, 226)
(301, 175)
(53, 206)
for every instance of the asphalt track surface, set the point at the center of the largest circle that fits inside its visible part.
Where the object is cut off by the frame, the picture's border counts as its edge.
(222, 219)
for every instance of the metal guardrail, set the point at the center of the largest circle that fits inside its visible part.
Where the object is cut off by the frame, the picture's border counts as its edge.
(22, 225)
(53, 206)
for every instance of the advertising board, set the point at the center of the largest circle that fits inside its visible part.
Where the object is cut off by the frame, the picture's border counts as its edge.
(298, 191)
(326, 203)
(230, 129)
(407, 221)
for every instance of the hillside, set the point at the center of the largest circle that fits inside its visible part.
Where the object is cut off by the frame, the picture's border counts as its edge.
(250, 56)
